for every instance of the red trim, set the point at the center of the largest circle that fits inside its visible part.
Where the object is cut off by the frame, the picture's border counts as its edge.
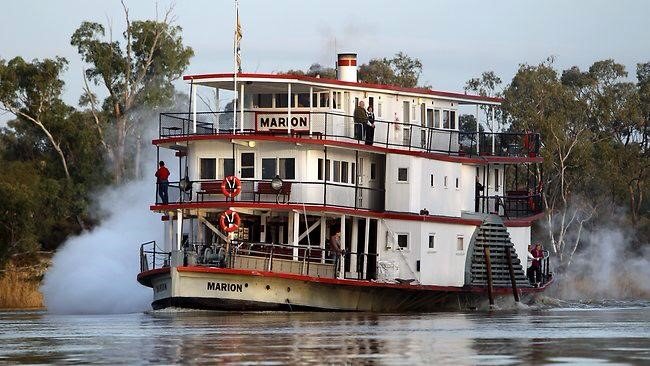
(347, 282)
(352, 62)
(438, 93)
(351, 145)
(320, 208)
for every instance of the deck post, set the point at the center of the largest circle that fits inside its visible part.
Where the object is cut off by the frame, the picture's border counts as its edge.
(295, 231)
(193, 107)
(478, 132)
(488, 268)
(241, 108)
(493, 132)
(311, 107)
(289, 100)
(354, 245)
(265, 228)
(342, 262)
(513, 281)
(323, 238)
(364, 274)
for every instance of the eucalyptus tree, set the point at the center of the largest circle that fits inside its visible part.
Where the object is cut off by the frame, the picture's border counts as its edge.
(137, 74)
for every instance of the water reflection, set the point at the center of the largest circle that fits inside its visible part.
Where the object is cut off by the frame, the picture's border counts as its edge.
(500, 338)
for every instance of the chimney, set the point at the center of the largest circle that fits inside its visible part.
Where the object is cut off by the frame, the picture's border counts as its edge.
(346, 67)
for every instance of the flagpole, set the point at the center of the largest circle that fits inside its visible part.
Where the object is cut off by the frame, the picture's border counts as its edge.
(234, 54)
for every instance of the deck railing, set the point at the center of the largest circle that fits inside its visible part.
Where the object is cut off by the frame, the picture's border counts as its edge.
(341, 127)
(270, 257)
(293, 192)
(511, 206)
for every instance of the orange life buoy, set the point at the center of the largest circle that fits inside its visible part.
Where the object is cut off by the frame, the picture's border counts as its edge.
(229, 221)
(230, 186)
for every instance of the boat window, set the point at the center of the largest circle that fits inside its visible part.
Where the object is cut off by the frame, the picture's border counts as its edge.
(281, 100)
(445, 182)
(403, 240)
(324, 100)
(373, 171)
(344, 172)
(248, 165)
(353, 175)
(227, 167)
(496, 179)
(378, 109)
(303, 100)
(287, 168)
(436, 118)
(402, 174)
(268, 168)
(445, 119)
(460, 243)
(432, 241)
(320, 169)
(337, 171)
(265, 100)
(208, 168)
(327, 169)
(432, 181)
(457, 183)
(336, 96)
(452, 120)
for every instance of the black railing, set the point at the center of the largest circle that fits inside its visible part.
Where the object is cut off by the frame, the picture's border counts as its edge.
(338, 126)
(293, 192)
(152, 256)
(511, 206)
(509, 144)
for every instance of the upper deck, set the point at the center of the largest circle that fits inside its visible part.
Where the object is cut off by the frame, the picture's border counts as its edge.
(320, 111)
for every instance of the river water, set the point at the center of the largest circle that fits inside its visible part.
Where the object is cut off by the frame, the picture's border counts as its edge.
(612, 333)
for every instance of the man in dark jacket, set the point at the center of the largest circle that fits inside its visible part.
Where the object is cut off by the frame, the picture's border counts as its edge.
(360, 120)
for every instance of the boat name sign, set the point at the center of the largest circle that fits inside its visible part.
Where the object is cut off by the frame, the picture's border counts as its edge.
(230, 287)
(275, 121)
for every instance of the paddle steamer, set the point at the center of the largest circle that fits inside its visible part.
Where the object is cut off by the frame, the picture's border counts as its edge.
(432, 216)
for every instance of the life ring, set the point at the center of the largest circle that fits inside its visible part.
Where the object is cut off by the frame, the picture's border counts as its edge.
(231, 186)
(229, 221)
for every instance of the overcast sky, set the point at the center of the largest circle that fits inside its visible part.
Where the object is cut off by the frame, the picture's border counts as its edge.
(456, 40)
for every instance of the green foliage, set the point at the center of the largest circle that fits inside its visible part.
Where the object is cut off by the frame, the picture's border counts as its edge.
(316, 70)
(137, 74)
(401, 70)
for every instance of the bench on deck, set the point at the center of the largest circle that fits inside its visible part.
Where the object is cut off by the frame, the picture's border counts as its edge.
(209, 188)
(265, 188)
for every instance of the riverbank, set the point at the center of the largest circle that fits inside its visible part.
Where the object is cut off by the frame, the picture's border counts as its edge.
(20, 285)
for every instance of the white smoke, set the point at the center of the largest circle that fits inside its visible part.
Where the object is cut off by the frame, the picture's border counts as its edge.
(607, 267)
(95, 273)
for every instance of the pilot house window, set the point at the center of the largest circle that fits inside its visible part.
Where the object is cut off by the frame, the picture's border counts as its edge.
(208, 168)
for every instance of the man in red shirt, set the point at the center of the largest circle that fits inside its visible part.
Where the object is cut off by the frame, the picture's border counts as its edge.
(162, 176)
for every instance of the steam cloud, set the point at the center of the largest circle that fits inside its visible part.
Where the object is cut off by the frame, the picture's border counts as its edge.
(95, 273)
(608, 267)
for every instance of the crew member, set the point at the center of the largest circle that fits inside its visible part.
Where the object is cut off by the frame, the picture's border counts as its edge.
(162, 176)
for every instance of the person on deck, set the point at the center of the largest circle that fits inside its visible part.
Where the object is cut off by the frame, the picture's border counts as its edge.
(162, 181)
(335, 251)
(529, 262)
(478, 194)
(370, 126)
(538, 254)
(360, 119)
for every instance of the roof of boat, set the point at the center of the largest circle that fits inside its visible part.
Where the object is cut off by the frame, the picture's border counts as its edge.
(460, 97)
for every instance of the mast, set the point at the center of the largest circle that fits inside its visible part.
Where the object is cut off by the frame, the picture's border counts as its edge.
(237, 64)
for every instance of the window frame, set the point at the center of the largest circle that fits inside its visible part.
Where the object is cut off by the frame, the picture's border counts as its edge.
(430, 248)
(460, 239)
(397, 245)
(398, 174)
(242, 167)
(216, 168)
